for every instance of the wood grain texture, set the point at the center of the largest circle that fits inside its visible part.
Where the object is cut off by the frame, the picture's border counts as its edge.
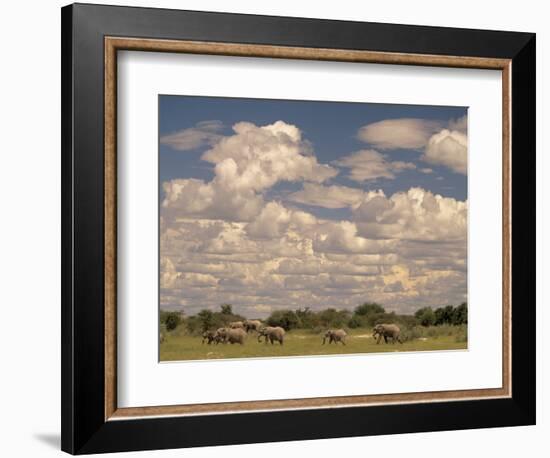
(110, 176)
(507, 228)
(112, 45)
(288, 52)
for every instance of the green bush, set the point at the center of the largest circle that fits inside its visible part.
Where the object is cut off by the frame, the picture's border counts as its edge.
(355, 322)
(172, 321)
(425, 316)
(368, 308)
(208, 320)
(286, 319)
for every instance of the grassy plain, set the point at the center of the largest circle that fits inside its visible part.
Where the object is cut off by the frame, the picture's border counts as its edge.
(178, 347)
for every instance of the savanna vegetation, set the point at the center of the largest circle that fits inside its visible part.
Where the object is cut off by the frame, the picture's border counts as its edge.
(443, 328)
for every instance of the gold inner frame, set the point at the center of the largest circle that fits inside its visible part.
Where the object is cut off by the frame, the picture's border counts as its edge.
(114, 44)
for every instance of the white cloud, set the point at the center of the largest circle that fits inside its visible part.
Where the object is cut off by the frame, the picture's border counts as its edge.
(246, 164)
(413, 215)
(272, 222)
(398, 250)
(342, 237)
(204, 133)
(226, 241)
(256, 158)
(370, 165)
(405, 133)
(191, 197)
(327, 196)
(448, 148)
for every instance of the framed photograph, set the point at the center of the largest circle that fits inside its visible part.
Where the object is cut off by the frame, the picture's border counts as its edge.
(273, 221)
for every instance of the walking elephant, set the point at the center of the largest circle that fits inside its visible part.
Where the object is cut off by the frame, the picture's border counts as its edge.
(208, 337)
(271, 334)
(234, 336)
(386, 331)
(252, 325)
(338, 335)
(236, 325)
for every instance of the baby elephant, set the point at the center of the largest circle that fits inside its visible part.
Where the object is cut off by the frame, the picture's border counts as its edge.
(338, 335)
(220, 336)
(273, 334)
(387, 330)
(208, 337)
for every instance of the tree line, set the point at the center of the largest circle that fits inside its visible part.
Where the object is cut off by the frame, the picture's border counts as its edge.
(368, 315)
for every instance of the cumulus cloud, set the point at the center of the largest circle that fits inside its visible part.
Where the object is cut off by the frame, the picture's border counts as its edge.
(228, 241)
(257, 157)
(342, 237)
(448, 148)
(370, 165)
(413, 215)
(203, 133)
(327, 196)
(402, 133)
(395, 249)
(246, 164)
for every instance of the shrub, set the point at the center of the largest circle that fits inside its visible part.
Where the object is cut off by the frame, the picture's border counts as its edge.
(332, 318)
(308, 319)
(412, 333)
(172, 321)
(226, 309)
(286, 319)
(460, 314)
(425, 316)
(355, 322)
(369, 308)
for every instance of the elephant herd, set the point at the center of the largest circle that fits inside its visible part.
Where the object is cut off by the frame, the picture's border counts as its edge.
(237, 332)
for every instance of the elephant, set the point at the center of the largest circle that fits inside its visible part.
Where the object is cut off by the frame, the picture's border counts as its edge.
(335, 335)
(208, 337)
(252, 325)
(235, 336)
(220, 335)
(387, 330)
(236, 325)
(273, 334)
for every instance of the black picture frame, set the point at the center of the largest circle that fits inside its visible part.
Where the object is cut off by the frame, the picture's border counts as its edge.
(84, 429)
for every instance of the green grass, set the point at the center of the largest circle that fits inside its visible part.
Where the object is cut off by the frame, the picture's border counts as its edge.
(301, 343)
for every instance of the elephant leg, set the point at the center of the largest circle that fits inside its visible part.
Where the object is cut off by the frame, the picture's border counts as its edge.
(379, 337)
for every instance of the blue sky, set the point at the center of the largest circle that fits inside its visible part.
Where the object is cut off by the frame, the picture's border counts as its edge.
(331, 127)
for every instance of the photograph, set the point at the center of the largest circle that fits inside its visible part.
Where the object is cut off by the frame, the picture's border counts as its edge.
(310, 228)
(276, 217)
